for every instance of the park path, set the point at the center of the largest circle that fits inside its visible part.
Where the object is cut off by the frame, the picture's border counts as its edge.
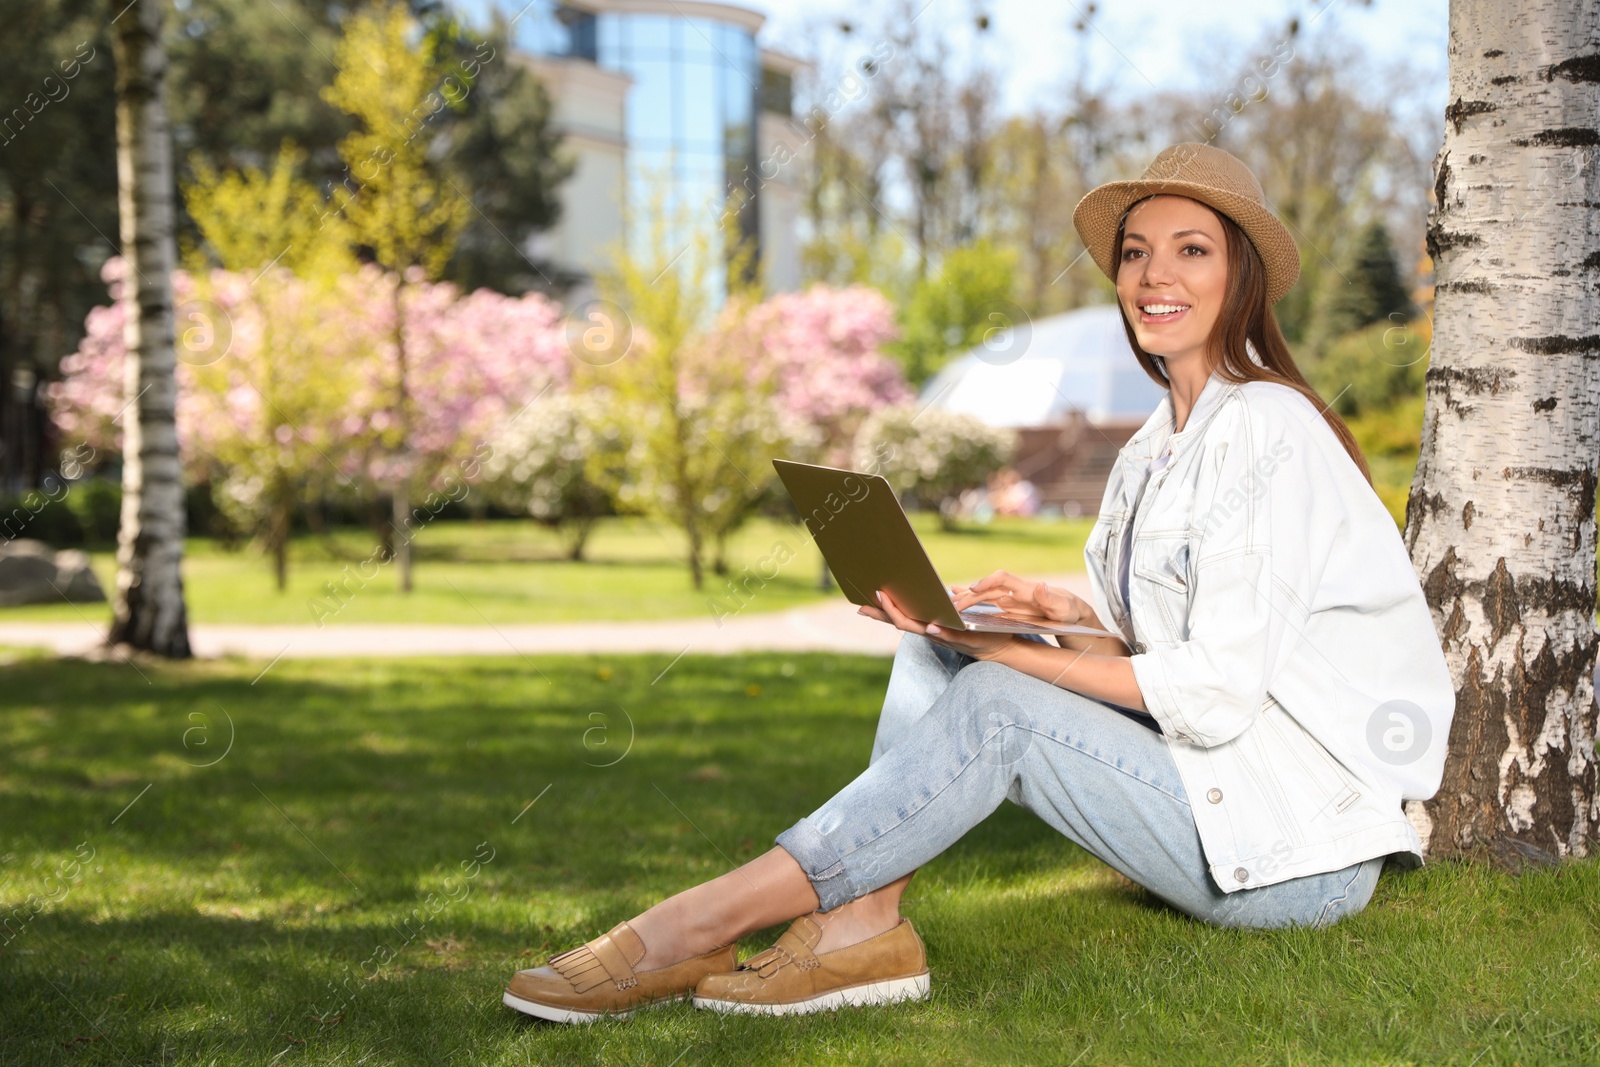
(831, 625)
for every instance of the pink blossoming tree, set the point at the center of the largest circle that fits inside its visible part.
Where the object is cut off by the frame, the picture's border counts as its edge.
(285, 387)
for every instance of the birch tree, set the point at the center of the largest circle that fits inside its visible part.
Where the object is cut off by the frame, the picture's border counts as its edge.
(148, 611)
(1501, 517)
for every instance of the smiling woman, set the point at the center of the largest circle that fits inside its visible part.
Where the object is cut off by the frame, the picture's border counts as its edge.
(1236, 764)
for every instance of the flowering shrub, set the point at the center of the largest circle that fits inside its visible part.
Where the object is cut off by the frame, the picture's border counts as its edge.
(539, 466)
(292, 389)
(824, 348)
(932, 455)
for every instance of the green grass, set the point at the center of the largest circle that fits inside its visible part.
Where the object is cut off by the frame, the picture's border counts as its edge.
(256, 906)
(511, 571)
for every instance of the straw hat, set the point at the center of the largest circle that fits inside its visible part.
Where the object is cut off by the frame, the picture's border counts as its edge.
(1201, 173)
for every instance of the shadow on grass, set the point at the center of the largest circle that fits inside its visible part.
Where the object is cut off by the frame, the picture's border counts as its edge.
(304, 894)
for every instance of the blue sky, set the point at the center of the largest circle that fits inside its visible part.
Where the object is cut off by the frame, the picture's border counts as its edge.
(1167, 44)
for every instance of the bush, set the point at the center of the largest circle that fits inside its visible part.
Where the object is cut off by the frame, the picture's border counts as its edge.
(1373, 368)
(932, 456)
(41, 515)
(538, 467)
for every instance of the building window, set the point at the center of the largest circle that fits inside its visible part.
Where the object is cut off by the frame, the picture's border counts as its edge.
(777, 92)
(582, 30)
(698, 86)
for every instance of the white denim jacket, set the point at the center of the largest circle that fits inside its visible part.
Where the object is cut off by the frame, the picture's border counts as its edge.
(1280, 635)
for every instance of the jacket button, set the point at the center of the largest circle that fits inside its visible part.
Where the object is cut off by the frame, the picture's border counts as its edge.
(1214, 795)
(1241, 874)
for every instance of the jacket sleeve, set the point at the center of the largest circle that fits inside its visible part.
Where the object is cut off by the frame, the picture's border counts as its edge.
(1255, 574)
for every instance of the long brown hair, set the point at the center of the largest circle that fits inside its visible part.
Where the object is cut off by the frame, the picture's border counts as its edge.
(1246, 317)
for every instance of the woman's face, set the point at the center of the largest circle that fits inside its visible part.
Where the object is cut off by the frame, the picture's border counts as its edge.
(1173, 275)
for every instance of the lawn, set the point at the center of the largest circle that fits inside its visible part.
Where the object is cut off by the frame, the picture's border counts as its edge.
(512, 571)
(338, 863)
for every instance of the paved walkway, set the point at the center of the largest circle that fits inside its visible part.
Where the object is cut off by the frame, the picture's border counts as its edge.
(829, 626)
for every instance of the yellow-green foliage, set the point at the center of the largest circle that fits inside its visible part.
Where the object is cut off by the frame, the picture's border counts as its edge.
(958, 306)
(285, 254)
(690, 427)
(395, 201)
(249, 219)
(1374, 378)
(1373, 368)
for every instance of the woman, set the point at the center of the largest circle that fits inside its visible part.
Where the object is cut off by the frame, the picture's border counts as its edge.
(1243, 755)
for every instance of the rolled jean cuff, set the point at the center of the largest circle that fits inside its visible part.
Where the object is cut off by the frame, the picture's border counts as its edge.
(822, 864)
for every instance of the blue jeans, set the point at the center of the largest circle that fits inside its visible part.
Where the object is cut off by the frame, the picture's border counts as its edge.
(958, 735)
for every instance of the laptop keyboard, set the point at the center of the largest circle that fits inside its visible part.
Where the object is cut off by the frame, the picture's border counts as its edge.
(997, 621)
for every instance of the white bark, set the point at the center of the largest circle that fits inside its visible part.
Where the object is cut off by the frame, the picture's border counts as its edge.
(1501, 520)
(148, 612)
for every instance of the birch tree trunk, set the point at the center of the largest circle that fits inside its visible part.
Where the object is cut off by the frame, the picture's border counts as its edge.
(1501, 518)
(148, 612)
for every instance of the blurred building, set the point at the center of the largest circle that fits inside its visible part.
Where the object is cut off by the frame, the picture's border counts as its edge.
(1072, 389)
(668, 99)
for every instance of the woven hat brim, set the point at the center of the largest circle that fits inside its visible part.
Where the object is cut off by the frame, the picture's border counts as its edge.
(1098, 213)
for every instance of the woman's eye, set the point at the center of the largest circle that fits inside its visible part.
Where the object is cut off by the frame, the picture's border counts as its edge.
(1194, 248)
(1129, 253)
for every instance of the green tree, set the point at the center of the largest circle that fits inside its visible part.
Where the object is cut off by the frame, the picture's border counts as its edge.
(399, 205)
(690, 426)
(265, 226)
(1371, 369)
(962, 304)
(246, 77)
(931, 456)
(503, 148)
(58, 207)
(1371, 289)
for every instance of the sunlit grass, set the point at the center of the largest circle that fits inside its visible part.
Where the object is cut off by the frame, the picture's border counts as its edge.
(512, 571)
(278, 900)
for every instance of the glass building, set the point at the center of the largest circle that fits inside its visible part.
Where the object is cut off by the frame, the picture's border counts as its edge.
(669, 105)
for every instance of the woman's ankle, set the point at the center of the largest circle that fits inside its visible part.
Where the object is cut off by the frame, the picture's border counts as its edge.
(670, 939)
(855, 922)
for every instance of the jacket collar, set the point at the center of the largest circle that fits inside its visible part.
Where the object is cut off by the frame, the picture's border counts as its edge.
(1157, 433)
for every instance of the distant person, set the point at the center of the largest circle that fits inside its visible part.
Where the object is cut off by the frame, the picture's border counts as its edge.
(1244, 757)
(1012, 494)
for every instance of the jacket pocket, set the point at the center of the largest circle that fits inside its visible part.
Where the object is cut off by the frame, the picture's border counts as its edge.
(1163, 563)
(1325, 787)
(1261, 770)
(1095, 549)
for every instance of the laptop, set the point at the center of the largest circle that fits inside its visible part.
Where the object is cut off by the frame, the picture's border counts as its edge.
(865, 536)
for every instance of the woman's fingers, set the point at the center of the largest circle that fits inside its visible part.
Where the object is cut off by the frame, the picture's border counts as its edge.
(966, 598)
(872, 613)
(899, 618)
(997, 580)
(997, 587)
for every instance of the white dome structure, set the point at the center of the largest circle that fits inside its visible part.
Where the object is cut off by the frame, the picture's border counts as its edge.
(1076, 364)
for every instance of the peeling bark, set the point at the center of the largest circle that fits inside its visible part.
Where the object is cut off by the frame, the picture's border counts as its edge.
(148, 612)
(1501, 519)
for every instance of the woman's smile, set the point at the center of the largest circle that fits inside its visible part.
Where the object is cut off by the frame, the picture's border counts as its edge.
(1154, 311)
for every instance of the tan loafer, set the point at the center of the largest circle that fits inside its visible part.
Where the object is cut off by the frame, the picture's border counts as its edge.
(791, 979)
(597, 979)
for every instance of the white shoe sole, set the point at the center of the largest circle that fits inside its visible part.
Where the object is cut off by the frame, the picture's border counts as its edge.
(566, 1015)
(890, 992)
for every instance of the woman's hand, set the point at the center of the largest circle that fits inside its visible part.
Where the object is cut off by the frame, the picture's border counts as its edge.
(976, 645)
(1020, 596)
